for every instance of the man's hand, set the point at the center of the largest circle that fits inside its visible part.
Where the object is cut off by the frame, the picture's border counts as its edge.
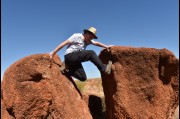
(109, 47)
(51, 54)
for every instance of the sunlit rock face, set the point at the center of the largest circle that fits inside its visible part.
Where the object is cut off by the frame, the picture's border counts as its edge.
(34, 88)
(143, 84)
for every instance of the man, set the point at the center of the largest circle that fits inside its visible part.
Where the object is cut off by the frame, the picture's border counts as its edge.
(76, 54)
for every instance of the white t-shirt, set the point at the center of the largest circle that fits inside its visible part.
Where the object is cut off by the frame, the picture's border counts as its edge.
(77, 43)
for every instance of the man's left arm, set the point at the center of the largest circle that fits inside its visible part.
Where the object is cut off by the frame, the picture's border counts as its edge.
(100, 44)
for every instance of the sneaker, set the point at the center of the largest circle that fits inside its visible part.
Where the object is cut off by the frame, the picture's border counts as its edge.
(63, 68)
(108, 68)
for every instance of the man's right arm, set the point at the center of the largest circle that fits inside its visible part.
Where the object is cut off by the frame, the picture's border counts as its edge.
(60, 46)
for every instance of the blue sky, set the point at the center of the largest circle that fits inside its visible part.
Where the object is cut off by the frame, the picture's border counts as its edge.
(38, 26)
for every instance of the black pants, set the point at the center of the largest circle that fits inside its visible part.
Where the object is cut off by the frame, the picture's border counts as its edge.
(73, 61)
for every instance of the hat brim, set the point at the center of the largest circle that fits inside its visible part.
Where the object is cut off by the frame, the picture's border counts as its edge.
(85, 30)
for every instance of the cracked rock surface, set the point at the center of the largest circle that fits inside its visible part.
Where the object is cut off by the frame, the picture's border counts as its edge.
(143, 84)
(34, 88)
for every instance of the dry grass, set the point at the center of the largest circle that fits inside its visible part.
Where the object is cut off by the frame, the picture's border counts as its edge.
(92, 87)
(176, 115)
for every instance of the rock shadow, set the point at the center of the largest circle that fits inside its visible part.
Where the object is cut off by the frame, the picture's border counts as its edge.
(96, 108)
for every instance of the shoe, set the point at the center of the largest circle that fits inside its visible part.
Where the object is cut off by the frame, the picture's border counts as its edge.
(108, 68)
(64, 68)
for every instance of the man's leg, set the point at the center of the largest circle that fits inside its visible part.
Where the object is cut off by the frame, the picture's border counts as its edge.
(78, 72)
(86, 55)
(90, 55)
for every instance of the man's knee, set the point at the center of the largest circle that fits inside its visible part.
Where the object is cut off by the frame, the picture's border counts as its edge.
(92, 53)
(82, 78)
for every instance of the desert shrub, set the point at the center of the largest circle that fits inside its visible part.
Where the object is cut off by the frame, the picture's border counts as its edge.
(80, 85)
(103, 104)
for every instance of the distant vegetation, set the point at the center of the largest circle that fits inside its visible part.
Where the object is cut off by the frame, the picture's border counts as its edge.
(80, 85)
(92, 86)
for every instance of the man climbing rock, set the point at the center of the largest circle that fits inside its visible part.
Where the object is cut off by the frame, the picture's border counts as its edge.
(75, 54)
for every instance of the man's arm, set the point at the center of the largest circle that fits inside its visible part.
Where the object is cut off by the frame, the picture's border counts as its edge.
(60, 46)
(99, 44)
